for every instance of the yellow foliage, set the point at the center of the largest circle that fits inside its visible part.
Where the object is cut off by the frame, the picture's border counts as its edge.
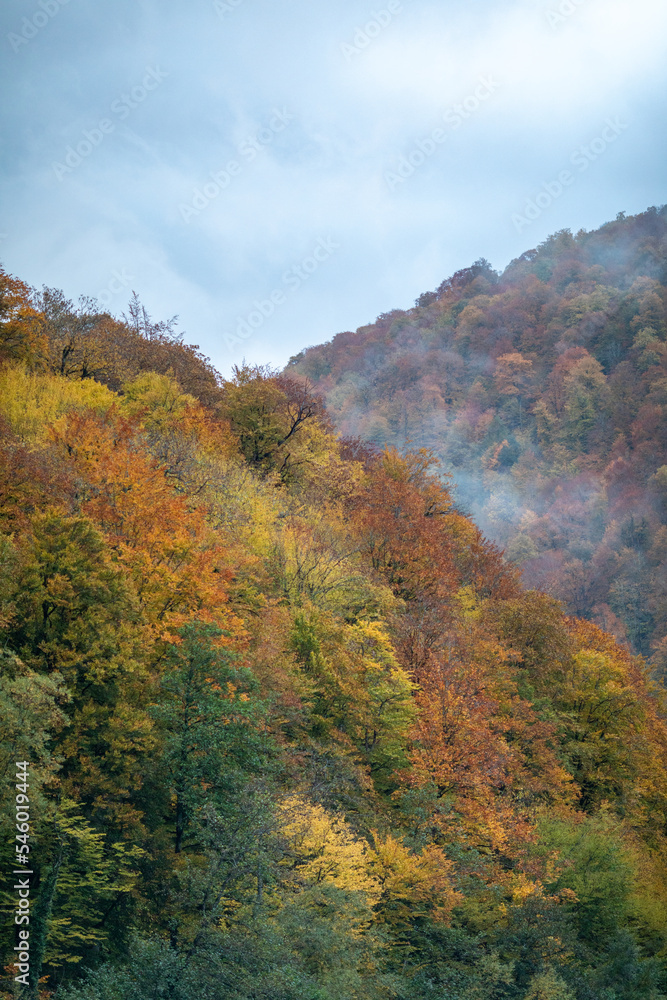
(158, 398)
(242, 505)
(598, 685)
(31, 402)
(323, 848)
(470, 606)
(413, 884)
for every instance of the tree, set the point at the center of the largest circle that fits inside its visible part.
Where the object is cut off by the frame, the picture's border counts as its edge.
(585, 395)
(81, 876)
(209, 723)
(75, 620)
(32, 402)
(359, 693)
(178, 569)
(413, 885)
(513, 375)
(21, 337)
(548, 985)
(594, 865)
(267, 411)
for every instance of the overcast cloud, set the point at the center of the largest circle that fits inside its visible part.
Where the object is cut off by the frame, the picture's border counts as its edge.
(277, 172)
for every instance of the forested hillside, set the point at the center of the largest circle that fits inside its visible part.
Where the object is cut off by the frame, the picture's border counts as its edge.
(293, 728)
(543, 390)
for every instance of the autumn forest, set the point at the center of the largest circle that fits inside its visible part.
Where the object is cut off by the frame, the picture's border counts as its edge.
(344, 682)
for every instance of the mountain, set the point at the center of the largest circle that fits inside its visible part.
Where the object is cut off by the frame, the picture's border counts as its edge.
(543, 393)
(276, 719)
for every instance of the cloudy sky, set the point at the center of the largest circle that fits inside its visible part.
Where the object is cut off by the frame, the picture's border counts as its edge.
(275, 172)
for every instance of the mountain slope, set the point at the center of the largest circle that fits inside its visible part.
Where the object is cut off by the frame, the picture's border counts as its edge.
(543, 390)
(277, 721)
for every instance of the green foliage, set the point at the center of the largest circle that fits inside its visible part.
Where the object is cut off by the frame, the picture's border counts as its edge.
(267, 412)
(595, 866)
(359, 691)
(548, 986)
(80, 874)
(210, 724)
(32, 713)
(584, 388)
(156, 971)
(70, 604)
(74, 617)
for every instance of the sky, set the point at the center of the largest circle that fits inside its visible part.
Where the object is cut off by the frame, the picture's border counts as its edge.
(274, 173)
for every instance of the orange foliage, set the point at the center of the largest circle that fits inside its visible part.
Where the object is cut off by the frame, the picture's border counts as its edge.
(179, 568)
(20, 335)
(423, 548)
(483, 748)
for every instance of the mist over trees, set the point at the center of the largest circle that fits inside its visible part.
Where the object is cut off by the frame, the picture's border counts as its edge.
(542, 390)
